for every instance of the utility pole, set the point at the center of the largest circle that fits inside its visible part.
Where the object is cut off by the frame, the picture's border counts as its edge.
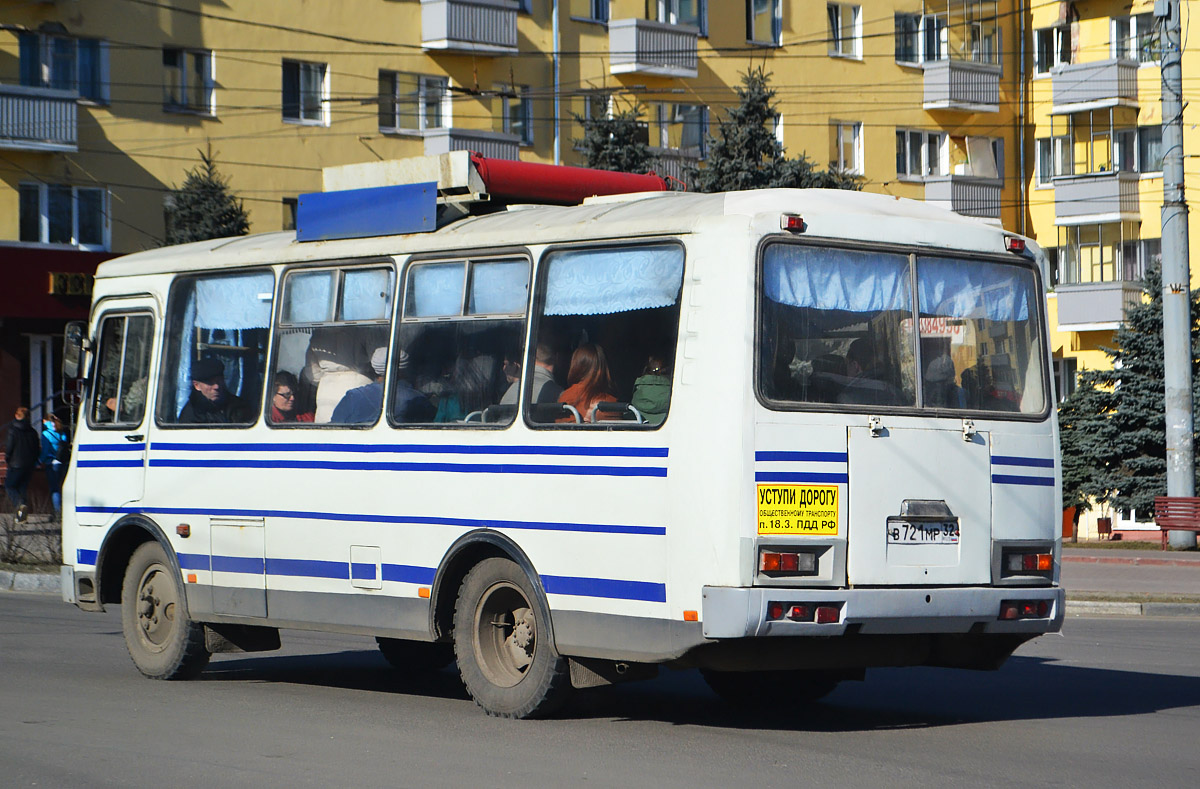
(1176, 276)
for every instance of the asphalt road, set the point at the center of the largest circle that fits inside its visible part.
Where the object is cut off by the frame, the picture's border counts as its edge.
(1111, 703)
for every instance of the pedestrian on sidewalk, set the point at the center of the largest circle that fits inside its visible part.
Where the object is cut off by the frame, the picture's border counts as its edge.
(56, 449)
(21, 450)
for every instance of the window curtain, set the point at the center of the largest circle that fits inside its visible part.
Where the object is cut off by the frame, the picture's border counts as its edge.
(499, 288)
(367, 295)
(836, 279)
(435, 290)
(620, 279)
(308, 297)
(241, 302)
(970, 289)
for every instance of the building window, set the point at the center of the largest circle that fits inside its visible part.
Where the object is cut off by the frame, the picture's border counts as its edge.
(65, 63)
(845, 30)
(513, 112)
(60, 214)
(684, 12)
(305, 92)
(188, 80)
(764, 22)
(1065, 371)
(1102, 253)
(847, 154)
(1052, 47)
(594, 10)
(908, 38)
(1135, 38)
(920, 153)
(681, 127)
(289, 204)
(1150, 150)
(413, 102)
(1053, 158)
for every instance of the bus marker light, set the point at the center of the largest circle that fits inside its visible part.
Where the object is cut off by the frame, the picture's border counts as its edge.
(800, 613)
(1008, 611)
(1014, 244)
(787, 562)
(774, 610)
(793, 223)
(770, 562)
(191, 578)
(691, 616)
(1043, 608)
(423, 592)
(828, 614)
(183, 530)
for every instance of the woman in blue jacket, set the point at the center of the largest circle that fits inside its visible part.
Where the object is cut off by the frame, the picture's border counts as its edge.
(55, 445)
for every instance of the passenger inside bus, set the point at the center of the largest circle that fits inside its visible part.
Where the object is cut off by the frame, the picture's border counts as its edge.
(865, 376)
(210, 401)
(361, 405)
(589, 383)
(652, 390)
(408, 404)
(283, 400)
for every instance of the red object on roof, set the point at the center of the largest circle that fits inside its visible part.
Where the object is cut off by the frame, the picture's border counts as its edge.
(557, 184)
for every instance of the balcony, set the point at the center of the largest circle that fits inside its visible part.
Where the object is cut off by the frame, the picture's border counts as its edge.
(674, 162)
(477, 27)
(968, 195)
(1096, 197)
(38, 119)
(961, 85)
(1107, 83)
(643, 46)
(1092, 306)
(492, 145)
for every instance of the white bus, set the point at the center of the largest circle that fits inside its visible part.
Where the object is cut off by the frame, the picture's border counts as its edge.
(781, 436)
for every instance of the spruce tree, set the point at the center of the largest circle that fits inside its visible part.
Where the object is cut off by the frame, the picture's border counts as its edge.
(745, 154)
(616, 143)
(204, 207)
(1114, 431)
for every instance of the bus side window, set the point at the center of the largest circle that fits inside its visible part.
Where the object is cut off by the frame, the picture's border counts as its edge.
(331, 346)
(605, 342)
(460, 342)
(216, 345)
(122, 370)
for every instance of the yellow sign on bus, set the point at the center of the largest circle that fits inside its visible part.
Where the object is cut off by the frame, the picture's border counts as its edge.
(797, 509)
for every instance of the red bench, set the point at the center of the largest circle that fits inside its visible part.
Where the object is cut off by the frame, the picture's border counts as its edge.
(1176, 513)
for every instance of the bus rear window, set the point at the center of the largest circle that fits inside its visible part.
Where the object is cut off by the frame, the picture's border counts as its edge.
(837, 327)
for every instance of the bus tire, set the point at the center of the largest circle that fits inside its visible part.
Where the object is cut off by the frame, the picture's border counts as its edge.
(162, 641)
(758, 689)
(501, 641)
(415, 655)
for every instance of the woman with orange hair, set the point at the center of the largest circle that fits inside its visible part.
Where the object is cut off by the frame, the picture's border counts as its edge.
(588, 382)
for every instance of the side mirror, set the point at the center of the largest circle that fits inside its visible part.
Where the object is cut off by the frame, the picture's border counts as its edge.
(73, 348)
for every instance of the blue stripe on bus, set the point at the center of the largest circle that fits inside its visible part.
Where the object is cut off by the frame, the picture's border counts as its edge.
(194, 561)
(605, 587)
(110, 463)
(460, 468)
(408, 574)
(1012, 460)
(83, 556)
(238, 564)
(314, 568)
(309, 568)
(1011, 479)
(362, 571)
(789, 476)
(772, 456)
(472, 523)
(448, 449)
(126, 447)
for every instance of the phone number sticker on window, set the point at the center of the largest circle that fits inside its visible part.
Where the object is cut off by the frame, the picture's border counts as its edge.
(797, 509)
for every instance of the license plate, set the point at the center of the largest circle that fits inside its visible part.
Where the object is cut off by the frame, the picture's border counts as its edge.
(922, 533)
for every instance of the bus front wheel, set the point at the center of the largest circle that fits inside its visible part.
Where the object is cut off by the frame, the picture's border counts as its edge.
(502, 644)
(750, 689)
(162, 641)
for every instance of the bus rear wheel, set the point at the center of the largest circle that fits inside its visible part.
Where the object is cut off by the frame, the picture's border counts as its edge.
(501, 641)
(415, 655)
(757, 689)
(162, 641)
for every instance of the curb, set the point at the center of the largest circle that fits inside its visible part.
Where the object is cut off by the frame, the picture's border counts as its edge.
(1113, 608)
(30, 583)
(1133, 560)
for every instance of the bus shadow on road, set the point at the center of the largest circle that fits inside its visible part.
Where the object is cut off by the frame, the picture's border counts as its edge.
(361, 670)
(1027, 688)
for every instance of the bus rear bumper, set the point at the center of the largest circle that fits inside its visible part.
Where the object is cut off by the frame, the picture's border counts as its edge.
(739, 612)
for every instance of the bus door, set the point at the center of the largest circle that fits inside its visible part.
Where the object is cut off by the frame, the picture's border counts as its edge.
(920, 506)
(110, 467)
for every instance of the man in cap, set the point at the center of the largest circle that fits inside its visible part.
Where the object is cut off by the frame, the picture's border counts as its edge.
(210, 402)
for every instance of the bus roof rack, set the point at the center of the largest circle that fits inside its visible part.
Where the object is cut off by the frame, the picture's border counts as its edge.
(423, 193)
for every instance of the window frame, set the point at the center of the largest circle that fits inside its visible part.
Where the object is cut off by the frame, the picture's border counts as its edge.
(41, 72)
(839, 129)
(912, 252)
(185, 68)
(667, 11)
(44, 218)
(776, 39)
(537, 305)
(1131, 43)
(942, 140)
(324, 111)
(469, 257)
(1060, 42)
(425, 84)
(104, 315)
(522, 104)
(161, 389)
(340, 265)
(837, 42)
